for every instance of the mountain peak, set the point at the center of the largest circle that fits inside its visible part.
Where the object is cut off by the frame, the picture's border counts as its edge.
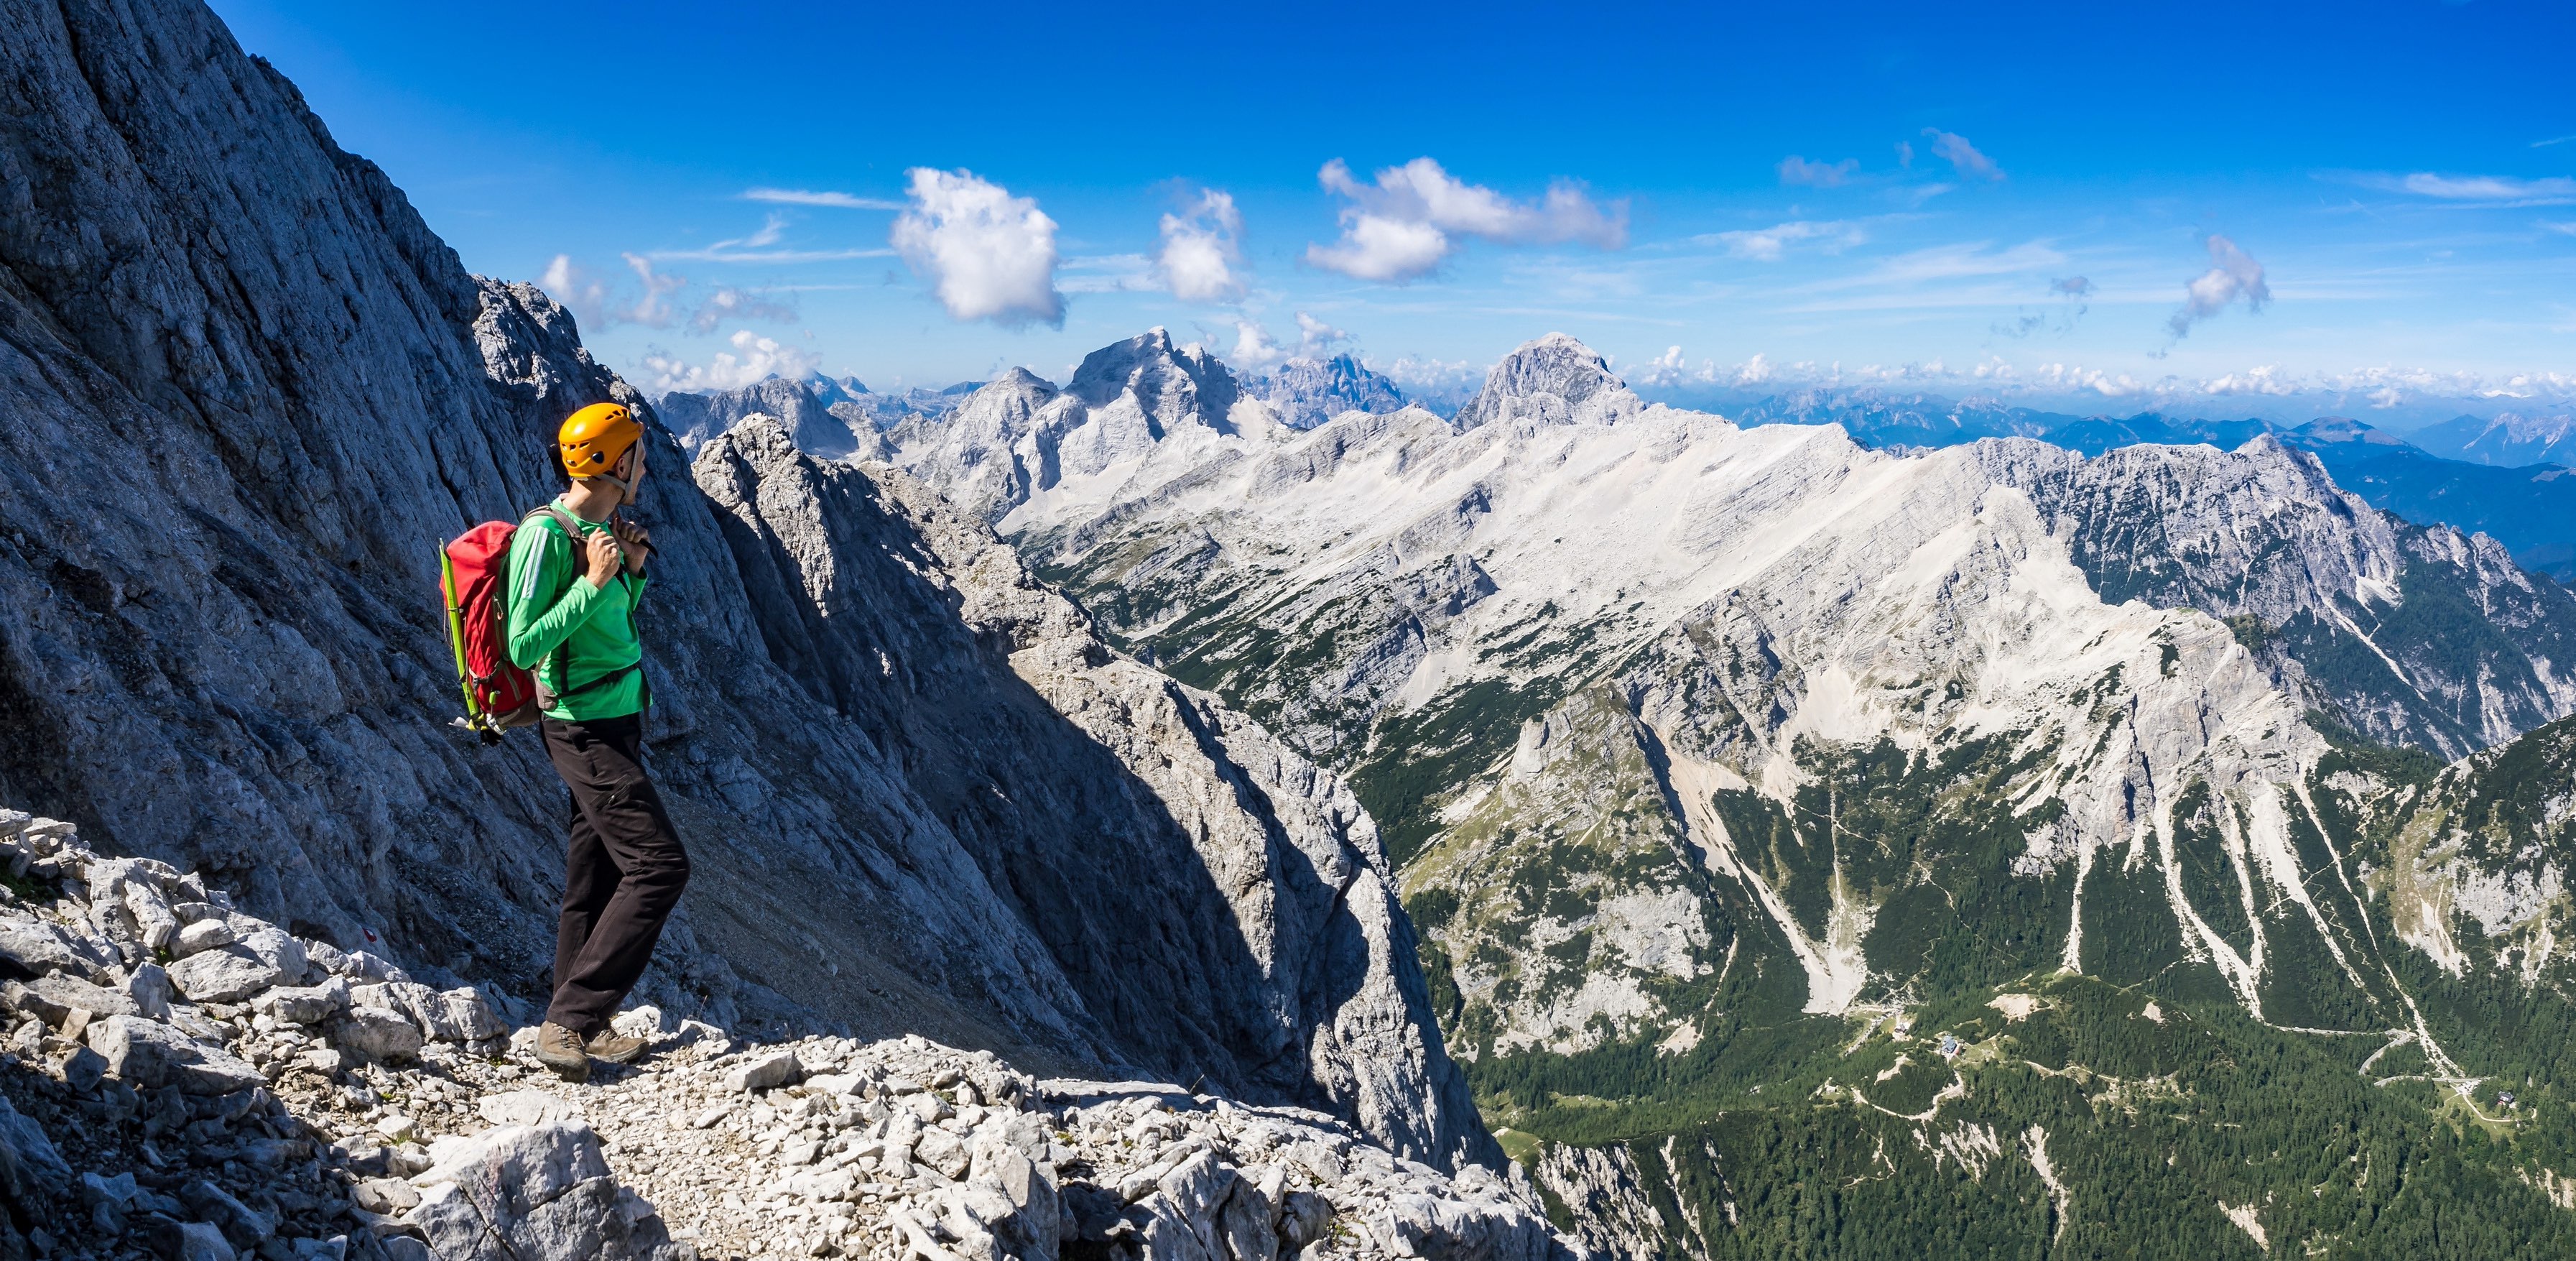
(1552, 380)
(1307, 391)
(1172, 384)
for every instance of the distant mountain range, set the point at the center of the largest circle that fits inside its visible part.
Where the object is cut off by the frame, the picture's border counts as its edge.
(1816, 850)
(2504, 477)
(2508, 439)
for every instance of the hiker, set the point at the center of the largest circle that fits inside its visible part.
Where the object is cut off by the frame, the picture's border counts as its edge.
(575, 575)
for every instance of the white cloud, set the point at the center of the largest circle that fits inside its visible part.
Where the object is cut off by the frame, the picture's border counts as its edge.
(1430, 374)
(601, 305)
(1314, 335)
(1200, 258)
(1253, 349)
(738, 304)
(2567, 228)
(986, 254)
(1963, 156)
(1772, 243)
(806, 197)
(2052, 384)
(2232, 274)
(2265, 380)
(1402, 226)
(2474, 188)
(758, 358)
(1798, 170)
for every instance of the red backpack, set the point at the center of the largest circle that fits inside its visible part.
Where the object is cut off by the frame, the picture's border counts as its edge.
(474, 576)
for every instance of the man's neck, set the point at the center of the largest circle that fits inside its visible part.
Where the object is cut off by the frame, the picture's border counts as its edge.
(591, 501)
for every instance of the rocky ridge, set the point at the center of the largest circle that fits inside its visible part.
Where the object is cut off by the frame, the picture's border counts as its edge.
(265, 1095)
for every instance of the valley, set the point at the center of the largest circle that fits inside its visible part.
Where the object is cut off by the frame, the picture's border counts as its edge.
(1819, 850)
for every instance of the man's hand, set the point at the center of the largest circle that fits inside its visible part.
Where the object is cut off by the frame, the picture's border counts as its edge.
(603, 554)
(632, 540)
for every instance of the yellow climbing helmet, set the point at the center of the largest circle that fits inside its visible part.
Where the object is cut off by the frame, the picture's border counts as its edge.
(595, 438)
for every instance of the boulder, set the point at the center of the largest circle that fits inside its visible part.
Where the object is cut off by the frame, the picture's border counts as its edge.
(149, 989)
(188, 1241)
(243, 1225)
(1462, 1230)
(534, 1193)
(34, 1151)
(147, 1054)
(31, 948)
(150, 908)
(305, 1005)
(273, 946)
(375, 1033)
(526, 1106)
(82, 1068)
(457, 1015)
(1248, 1222)
(765, 1072)
(942, 1151)
(1033, 1228)
(64, 994)
(227, 974)
(202, 936)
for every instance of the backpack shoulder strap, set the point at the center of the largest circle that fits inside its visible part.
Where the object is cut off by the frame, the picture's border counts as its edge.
(563, 520)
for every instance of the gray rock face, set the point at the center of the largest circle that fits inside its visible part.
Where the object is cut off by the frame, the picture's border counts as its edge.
(2347, 606)
(805, 407)
(220, 654)
(1306, 392)
(1553, 380)
(1018, 436)
(1295, 977)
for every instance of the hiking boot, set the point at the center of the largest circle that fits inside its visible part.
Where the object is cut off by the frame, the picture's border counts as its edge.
(615, 1047)
(560, 1049)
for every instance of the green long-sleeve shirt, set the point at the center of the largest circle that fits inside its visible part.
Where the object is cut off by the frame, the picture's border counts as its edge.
(572, 634)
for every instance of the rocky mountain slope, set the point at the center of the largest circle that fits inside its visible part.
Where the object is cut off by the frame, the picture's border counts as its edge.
(1305, 391)
(2508, 439)
(275, 391)
(2500, 488)
(274, 1096)
(1724, 764)
(832, 417)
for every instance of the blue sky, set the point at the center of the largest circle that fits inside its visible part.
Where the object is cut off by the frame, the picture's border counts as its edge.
(2371, 203)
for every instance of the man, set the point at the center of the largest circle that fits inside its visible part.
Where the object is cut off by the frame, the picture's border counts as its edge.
(572, 622)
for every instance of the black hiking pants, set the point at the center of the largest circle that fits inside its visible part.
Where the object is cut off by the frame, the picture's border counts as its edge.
(623, 872)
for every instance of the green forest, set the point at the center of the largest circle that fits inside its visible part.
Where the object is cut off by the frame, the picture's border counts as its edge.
(2171, 1121)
